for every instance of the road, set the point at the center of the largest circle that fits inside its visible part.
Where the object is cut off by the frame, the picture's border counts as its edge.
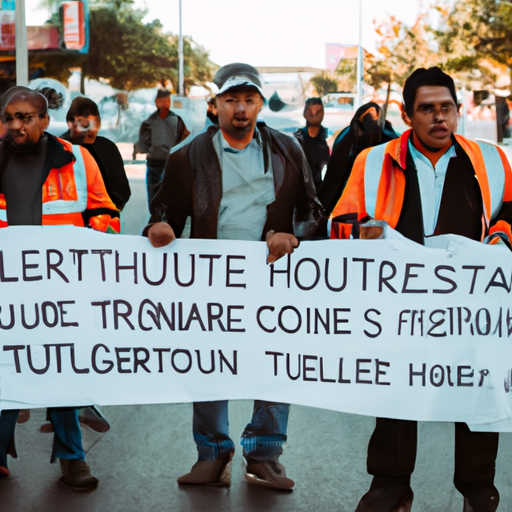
(149, 446)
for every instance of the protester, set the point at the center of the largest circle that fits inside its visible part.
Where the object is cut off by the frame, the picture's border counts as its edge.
(160, 132)
(84, 123)
(72, 189)
(424, 185)
(313, 138)
(55, 98)
(502, 114)
(211, 112)
(241, 181)
(366, 130)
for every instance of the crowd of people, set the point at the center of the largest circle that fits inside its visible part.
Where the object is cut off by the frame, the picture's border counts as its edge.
(240, 179)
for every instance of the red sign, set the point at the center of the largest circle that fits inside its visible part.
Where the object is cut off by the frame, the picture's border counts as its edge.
(74, 25)
(7, 30)
(45, 37)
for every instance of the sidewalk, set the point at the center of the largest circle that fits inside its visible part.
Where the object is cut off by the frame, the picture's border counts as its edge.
(135, 169)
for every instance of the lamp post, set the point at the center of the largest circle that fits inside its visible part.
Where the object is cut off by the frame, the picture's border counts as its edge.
(181, 87)
(21, 44)
(359, 82)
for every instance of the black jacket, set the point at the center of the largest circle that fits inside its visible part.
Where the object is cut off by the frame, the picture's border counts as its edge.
(192, 186)
(111, 165)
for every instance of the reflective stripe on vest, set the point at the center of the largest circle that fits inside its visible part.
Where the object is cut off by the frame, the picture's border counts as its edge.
(495, 175)
(372, 173)
(494, 170)
(80, 177)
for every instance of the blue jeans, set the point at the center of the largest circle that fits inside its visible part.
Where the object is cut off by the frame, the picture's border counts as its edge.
(7, 426)
(262, 438)
(67, 439)
(154, 176)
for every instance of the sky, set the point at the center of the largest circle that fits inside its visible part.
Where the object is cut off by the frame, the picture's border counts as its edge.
(268, 32)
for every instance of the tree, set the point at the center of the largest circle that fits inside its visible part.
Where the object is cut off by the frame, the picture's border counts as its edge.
(198, 68)
(402, 49)
(129, 53)
(346, 71)
(324, 82)
(476, 33)
(125, 51)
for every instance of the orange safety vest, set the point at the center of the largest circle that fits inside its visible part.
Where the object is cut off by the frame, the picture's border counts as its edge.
(376, 185)
(72, 189)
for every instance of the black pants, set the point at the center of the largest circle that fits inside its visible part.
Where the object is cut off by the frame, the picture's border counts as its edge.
(392, 455)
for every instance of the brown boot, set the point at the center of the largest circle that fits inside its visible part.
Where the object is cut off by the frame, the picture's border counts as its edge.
(216, 472)
(485, 500)
(77, 475)
(268, 473)
(386, 499)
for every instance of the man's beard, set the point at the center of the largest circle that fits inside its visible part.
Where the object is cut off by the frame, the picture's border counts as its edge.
(243, 129)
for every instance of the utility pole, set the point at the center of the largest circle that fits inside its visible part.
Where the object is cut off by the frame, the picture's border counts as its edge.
(21, 44)
(181, 87)
(359, 98)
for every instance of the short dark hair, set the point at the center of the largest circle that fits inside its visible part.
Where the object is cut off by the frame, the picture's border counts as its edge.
(55, 98)
(82, 106)
(162, 93)
(313, 101)
(20, 93)
(420, 77)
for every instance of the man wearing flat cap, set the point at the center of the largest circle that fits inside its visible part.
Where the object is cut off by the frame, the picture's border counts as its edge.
(239, 180)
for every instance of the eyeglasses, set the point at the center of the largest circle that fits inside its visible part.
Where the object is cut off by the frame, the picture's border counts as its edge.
(83, 124)
(26, 118)
(444, 109)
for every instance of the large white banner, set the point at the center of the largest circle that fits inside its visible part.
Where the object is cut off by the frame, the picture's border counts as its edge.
(382, 328)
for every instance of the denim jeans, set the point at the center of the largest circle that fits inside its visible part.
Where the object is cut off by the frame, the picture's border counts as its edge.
(7, 426)
(262, 438)
(154, 176)
(67, 439)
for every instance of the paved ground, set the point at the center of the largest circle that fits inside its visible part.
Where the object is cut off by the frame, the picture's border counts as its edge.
(148, 447)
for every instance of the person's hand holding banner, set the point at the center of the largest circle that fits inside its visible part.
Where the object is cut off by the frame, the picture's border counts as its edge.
(161, 234)
(279, 244)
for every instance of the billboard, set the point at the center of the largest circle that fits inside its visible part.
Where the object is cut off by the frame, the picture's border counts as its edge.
(71, 35)
(335, 52)
(74, 25)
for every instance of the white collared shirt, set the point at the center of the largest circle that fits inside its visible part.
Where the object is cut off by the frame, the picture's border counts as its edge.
(431, 182)
(247, 189)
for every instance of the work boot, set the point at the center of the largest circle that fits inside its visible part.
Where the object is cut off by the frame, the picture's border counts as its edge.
(77, 475)
(267, 473)
(216, 472)
(484, 500)
(386, 499)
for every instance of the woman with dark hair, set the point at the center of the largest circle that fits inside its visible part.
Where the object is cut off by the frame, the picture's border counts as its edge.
(365, 130)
